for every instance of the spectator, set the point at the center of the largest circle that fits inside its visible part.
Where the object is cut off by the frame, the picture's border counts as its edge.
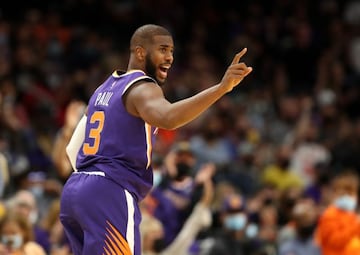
(279, 174)
(174, 196)
(232, 237)
(23, 204)
(17, 237)
(339, 225)
(153, 233)
(210, 145)
(304, 217)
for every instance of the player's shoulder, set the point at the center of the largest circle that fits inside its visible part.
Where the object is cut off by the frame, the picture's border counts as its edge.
(144, 88)
(141, 89)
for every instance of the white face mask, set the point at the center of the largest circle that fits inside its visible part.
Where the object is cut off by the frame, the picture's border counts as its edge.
(252, 230)
(33, 217)
(13, 241)
(346, 202)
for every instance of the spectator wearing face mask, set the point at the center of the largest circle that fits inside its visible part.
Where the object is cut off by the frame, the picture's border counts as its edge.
(153, 232)
(236, 234)
(23, 203)
(171, 199)
(16, 235)
(338, 230)
(304, 218)
(279, 173)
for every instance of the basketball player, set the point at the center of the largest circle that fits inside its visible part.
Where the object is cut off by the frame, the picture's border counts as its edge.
(111, 148)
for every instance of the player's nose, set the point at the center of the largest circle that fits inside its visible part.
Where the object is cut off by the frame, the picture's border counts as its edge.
(169, 57)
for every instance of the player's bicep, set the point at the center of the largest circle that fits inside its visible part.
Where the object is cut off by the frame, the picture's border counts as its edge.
(147, 101)
(154, 112)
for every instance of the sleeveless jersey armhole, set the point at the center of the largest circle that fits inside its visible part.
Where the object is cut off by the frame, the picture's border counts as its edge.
(139, 80)
(136, 81)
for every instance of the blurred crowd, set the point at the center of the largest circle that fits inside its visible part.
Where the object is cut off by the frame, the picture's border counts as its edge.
(258, 173)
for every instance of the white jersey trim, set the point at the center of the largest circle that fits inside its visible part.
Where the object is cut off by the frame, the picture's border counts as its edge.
(130, 229)
(117, 75)
(91, 173)
(136, 80)
(148, 137)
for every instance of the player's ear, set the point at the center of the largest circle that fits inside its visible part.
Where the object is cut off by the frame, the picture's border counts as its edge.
(140, 53)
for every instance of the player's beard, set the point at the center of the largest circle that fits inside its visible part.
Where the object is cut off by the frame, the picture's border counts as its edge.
(150, 69)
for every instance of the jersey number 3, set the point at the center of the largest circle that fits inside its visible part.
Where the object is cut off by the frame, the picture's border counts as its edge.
(95, 133)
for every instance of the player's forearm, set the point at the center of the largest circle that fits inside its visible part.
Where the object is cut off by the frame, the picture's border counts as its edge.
(186, 110)
(76, 141)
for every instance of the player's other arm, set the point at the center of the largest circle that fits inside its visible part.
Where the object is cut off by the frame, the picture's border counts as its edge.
(76, 141)
(146, 100)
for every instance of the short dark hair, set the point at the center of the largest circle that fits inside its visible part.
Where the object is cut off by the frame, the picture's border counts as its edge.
(347, 173)
(144, 35)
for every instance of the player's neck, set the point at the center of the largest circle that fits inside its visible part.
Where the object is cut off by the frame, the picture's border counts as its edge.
(135, 65)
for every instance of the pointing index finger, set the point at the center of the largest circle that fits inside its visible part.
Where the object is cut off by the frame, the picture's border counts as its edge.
(238, 56)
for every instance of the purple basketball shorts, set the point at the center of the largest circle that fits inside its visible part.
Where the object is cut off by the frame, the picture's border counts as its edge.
(99, 216)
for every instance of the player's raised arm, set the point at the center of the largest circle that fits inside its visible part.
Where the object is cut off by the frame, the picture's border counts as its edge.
(147, 100)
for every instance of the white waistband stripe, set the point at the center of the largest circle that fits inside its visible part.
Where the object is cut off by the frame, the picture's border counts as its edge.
(91, 173)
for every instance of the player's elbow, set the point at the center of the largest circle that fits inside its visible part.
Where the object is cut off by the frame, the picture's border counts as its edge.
(173, 121)
(168, 125)
(171, 128)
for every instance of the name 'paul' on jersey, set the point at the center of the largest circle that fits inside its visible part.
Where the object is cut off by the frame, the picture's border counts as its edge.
(116, 142)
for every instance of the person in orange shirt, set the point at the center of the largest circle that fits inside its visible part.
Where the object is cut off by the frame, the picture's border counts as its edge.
(338, 231)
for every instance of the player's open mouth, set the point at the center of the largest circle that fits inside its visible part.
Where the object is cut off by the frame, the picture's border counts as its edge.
(163, 71)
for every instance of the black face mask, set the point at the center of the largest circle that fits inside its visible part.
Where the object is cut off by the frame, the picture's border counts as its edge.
(248, 160)
(210, 135)
(284, 163)
(183, 170)
(159, 245)
(304, 232)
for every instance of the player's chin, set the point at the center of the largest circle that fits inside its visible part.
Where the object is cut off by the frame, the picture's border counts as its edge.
(160, 79)
(161, 82)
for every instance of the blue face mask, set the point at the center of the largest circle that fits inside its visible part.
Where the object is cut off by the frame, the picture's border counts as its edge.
(251, 230)
(236, 222)
(346, 202)
(157, 178)
(13, 241)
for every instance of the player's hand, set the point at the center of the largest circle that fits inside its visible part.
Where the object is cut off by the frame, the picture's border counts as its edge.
(235, 73)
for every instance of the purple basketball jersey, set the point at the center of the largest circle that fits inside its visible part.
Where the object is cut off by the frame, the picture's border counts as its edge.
(116, 142)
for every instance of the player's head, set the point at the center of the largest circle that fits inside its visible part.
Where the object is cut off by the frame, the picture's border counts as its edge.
(151, 48)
